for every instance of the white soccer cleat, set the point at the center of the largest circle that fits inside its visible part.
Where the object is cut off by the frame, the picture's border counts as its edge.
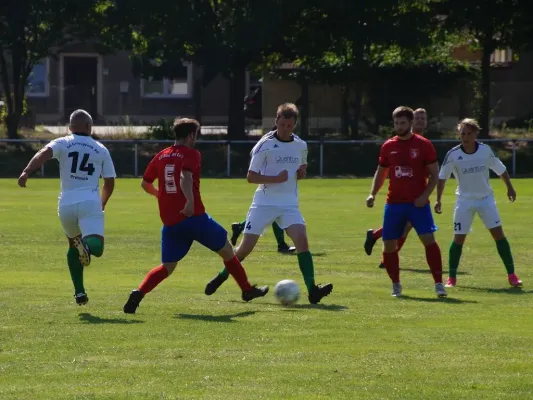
(397, 289)
(440, 291)
(85, 257)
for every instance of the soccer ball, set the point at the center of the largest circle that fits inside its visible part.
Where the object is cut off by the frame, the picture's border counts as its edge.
(287, 292)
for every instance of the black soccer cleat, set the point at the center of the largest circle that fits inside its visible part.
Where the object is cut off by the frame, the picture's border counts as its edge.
(214, 284)
(284, 248)
(254, 293)
(236, 230)
(133, 302)
(381, 265)
(81, 299)
(370, 241)
(319, 292)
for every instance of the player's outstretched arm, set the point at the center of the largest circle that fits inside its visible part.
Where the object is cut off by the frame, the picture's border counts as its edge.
(258, 179)
(107, 190)
(43, 155)
(511, 193)
(377, 183)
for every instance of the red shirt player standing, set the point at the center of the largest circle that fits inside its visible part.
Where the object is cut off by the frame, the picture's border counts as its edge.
(407, 158)
(177, 170)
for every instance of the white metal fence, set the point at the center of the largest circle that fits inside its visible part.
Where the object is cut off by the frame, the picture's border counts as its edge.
(512, 146)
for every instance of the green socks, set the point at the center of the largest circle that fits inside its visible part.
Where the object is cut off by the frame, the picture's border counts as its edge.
(504, 250)
(278, 233)
(95, 245)
(305, 260)
(76, 270)
(454, 255)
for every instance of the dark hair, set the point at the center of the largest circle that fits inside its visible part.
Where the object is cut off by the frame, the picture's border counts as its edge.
(403, 111)
(287, 110)
(183, 127)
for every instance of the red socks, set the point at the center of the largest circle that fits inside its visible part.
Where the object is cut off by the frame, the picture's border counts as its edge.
(434, 260)
(234, 267)
(392, 265)
(377, 233)
(153, 278)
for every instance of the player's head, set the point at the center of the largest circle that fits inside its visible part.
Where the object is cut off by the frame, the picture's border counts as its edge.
(286, 118)
(468, 130)
(80, 122)
(403, 120)
(185, 130)
(420, 120)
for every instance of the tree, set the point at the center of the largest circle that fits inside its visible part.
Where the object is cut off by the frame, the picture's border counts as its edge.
(31, 30)
(494, 24)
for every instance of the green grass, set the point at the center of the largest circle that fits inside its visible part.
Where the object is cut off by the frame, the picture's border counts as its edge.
(359, 344)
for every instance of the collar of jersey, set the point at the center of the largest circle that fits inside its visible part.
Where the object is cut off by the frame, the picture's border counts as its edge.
(463, 149)
(81, 134)
(283, 141)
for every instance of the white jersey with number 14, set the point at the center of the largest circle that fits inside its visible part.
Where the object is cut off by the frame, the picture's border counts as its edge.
(82, 161)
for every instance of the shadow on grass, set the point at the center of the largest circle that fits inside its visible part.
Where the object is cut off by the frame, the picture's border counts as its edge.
(448, 300)
(93, 319)
(325, 307)
(427, 271)
(509, 290)
(215, 318)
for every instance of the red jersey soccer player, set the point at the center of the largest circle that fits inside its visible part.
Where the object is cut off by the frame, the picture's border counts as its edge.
(183, 214)
(420, 123)
(407, 158)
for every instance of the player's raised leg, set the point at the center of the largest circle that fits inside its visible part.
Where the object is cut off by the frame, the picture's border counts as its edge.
(372, 236)
(236, 229)
(298, 233)
(283, 247)
(76, 271)
(400, 242)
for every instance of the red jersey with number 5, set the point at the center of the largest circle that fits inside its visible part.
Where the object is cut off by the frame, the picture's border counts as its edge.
(407, 161)
(166, 167)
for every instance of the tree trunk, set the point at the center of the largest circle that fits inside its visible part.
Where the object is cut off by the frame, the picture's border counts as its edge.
(12, 121)
(304, 110)
(484, 111)
(356, 115)
(236, 118)
(345, 115)
(198, 100)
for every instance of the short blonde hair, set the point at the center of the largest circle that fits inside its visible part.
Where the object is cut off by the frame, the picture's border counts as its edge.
(470, 122)
(420, 111)
(287, 110)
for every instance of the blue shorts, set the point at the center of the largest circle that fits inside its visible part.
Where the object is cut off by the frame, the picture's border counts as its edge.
(396, 216)
(176, 240)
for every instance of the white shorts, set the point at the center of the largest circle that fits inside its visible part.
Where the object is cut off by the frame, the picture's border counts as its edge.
(465, 210)
(260, 216)
(85, 218)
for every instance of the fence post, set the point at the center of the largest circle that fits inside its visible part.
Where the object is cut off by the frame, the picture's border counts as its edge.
(514, 158)
(228, 159)
(136, 161)
(321, 163)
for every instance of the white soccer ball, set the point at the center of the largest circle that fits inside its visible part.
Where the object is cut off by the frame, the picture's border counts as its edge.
(287, 292)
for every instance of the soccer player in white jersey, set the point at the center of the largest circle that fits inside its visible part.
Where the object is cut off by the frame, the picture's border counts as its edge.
(470, 163)
(82, 160)
(279, 159)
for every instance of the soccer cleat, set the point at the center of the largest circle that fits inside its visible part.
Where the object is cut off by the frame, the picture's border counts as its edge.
(381, 265)
(319, 292)
(514, 280)
(133, 302)
(370, 241)
(451, 282)
(284, 248)
(254, 293)
(236, 230)
(440, 291)
(81, 299)
(83, 250)
(397, 289)
(214, 284)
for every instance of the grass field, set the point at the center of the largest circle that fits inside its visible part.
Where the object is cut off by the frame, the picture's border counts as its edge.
(361, 343)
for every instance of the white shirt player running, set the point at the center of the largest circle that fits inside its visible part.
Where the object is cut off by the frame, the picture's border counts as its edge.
(472, 171)
(270, 156)
(82, 160)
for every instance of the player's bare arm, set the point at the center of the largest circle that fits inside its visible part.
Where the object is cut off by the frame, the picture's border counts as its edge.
(377, 183)
(186, 182)
(149, 188)
(107, 190)
(258, 179)
(301, 172)
(511, 193)
(433, 170)
(35, 163)
(440, 190)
